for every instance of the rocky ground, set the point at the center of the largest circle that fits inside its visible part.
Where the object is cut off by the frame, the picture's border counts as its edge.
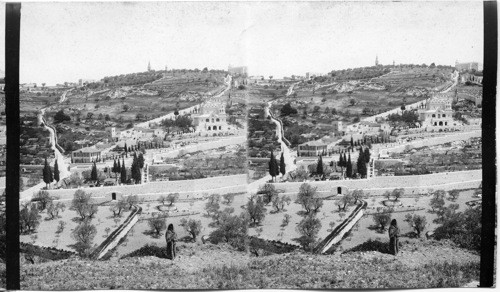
(419, 265)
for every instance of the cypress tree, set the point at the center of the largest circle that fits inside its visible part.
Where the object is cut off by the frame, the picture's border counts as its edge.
(282, 164)
(349, 167)
(123, 174)
(47, 173)
(93, 173)
(341, 161)
(352, 142)
(56, 171)
(344, 161)
(319, 166)
(135, 171)
(272, 166)
(367, 155)
(276, 167)
(140, 160)
(361, 164)
(126, 149)
(115, 166)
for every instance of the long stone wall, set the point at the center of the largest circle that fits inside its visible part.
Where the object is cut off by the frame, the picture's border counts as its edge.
(221, 184)
(115, 237)
(413, 184)
(433, 141)
(233, 140)
(339, 232)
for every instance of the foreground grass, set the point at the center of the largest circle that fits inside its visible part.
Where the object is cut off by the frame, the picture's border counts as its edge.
(209, 268)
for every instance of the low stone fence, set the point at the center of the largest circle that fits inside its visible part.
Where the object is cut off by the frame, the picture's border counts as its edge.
(172, 153)
(114, 238)
(412, 184)
(185, 188)
(433, 141)
(45, 252)
(339, 231)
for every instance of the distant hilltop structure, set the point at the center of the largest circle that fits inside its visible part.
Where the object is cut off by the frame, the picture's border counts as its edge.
(82, 82)
(149, 66)
(468, 66)
(376, 60)
(242, 70)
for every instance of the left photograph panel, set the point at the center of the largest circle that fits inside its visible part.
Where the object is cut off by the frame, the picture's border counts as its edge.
(126, 136)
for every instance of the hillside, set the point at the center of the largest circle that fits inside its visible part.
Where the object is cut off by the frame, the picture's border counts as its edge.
(421, 264)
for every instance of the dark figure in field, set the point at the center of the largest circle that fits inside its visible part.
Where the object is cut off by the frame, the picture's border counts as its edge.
(394, 237)
(171, 237)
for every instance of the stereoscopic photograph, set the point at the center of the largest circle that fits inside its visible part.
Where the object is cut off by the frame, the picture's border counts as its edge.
(249, 145)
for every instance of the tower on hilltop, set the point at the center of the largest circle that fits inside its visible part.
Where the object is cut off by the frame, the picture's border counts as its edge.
(149, 66)
(376, 60)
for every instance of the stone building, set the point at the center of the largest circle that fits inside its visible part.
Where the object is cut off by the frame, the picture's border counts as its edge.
(210, 117)
(437, 112)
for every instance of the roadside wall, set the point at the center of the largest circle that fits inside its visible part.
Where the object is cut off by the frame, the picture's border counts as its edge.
(339, 232)
(221, 184)
(413, 184)
(233, 140)
(431, 141)
(115, 237)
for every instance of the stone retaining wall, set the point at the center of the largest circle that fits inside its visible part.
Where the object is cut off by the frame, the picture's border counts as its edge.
(413, 184)
(221, 184)
(172, 153)
(115, 237)
(339, 232)
(433, 141)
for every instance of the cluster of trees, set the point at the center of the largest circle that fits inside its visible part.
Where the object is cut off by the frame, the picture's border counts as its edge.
(48, 175)
(184, 123)
(363, 160)
(410, 118)
(310, 225)
(60, 117)
(276, 168)
(287, 110)
(345, 162)
(360, 73)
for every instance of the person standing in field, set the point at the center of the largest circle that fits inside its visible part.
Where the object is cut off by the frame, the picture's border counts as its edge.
(170, 237)
(394, 237)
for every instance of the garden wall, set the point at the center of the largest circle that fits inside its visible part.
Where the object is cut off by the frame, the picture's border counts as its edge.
(186, 188)
(433, 141)
(234, 140)
(339, 232)
(115, 237)
(413, 184)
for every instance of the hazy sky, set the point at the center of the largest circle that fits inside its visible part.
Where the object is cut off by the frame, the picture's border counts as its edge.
(67, 41)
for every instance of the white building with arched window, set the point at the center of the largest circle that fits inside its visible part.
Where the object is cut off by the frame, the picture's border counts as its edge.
(211, 118)
(437, 112)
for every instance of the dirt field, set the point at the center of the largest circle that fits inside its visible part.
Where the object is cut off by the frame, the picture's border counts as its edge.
(364, 230)
(46, 232)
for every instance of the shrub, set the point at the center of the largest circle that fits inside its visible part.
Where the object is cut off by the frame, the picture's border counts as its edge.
(286, 220)
(256, 210)
(43, 198)
(382, 220)
(416, 222)
(28, 219)
(463, 228)
(156, 225)
(84, 234)
(193, 227)
(232, 229)
(308, 198)
(308, 228)
(54, 209)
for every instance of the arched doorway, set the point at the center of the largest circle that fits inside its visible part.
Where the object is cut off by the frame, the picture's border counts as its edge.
(339, 190)
(113, 196)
